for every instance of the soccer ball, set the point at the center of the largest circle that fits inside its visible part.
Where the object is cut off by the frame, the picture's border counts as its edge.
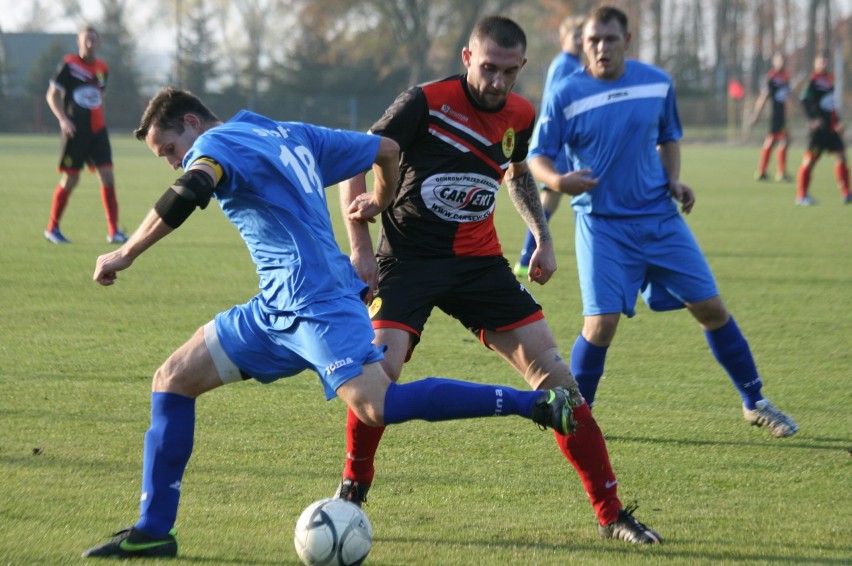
(333, 531)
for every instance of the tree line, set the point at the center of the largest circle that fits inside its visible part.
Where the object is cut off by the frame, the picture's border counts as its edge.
(340, 62)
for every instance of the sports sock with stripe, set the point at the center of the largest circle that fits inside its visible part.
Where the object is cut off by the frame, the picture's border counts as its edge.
(439, 399)
(168, 446)
(732, 351)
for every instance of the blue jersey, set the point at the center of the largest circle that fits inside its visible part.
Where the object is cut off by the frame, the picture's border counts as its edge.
(562, 65)
(273, 191)
(613, 128)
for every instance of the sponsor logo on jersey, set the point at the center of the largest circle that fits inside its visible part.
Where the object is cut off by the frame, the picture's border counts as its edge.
(88, 97)
(828, 103)
(445, 108)
(460, 197)
(374, 307)
(337, 365)
(509, 143)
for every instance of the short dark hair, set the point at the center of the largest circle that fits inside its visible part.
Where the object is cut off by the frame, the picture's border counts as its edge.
(167, 108)
(503, 31)
(605, 14)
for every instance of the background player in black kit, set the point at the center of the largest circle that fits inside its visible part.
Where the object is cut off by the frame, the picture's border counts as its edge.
(776, 89)
(76, 97)
(460, 137)
(825, 133)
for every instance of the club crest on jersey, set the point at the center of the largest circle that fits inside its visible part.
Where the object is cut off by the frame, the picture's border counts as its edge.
(374, 307)
(509, 142)
(460, 197)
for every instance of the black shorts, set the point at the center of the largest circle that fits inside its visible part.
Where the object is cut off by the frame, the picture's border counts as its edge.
(777, 125)
(85, 148)
(824, 139)
(480, 292)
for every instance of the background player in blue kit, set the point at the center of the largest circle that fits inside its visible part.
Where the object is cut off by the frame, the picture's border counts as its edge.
(269, 178)
(565, 63)
(619, 125)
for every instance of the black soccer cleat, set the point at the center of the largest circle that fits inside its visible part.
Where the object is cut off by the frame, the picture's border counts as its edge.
(133, 543)
(555, 409)
(628, 528)
(353, 491)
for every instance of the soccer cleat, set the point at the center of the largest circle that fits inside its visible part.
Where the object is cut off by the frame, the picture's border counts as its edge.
(521, 271)
(555, 409)
(766, 414)
(117, 237)
(133, 543)
(758, 176)
(806, 201)
(783, 178)
(847, 199)
(351, 490)
(56, 236)
(628, 528)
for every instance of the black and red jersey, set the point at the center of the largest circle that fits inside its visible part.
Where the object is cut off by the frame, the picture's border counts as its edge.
(455, 154)
(82, 85)
(818, 99)
(778, 87)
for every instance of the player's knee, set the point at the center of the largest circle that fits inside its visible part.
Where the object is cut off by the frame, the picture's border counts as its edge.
(548, 370)
(368, 413)
(600, 330)
(170, 379)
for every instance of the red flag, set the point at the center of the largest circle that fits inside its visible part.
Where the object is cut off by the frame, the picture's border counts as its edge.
(735, 89)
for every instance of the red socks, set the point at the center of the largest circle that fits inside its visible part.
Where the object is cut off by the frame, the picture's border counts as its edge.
(764, 160)
(362, 442)
(60, 199)
(586, 450)
(110, 208)
(841, 172)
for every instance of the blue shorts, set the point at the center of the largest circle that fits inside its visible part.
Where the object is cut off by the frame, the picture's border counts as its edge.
(618, 258)
(333, 338)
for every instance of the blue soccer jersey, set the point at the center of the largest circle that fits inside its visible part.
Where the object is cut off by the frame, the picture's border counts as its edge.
(562, 65)
(613, 128)
(273, 191)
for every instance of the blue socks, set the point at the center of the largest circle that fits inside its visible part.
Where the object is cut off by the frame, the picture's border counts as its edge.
(168, 445)
(439, 399)
(731, 350)
(587, 365)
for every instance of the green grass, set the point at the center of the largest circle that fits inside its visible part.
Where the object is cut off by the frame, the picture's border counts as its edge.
(76, 361)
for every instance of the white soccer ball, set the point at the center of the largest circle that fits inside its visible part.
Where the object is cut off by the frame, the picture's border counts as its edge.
(333, 531)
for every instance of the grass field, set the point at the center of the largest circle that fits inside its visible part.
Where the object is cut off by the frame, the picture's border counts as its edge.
(76, 361)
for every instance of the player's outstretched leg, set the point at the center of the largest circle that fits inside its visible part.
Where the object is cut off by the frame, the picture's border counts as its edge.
(168, 446)
(436, 399)
(733, 353)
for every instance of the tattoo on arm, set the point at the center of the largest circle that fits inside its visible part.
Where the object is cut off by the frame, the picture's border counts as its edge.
(525, 197)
